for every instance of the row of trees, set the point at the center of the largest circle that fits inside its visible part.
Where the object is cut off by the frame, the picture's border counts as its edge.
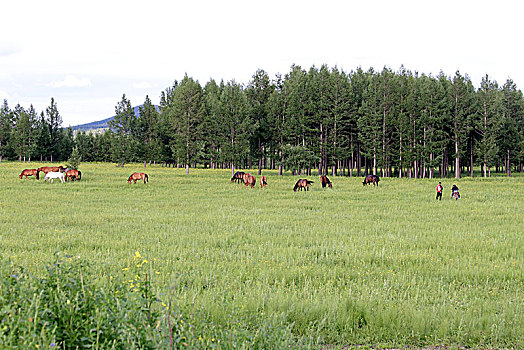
(383, 122)
(26, 135)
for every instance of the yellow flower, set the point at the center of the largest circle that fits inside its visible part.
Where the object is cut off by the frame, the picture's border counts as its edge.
(137, 255)
(125, 269)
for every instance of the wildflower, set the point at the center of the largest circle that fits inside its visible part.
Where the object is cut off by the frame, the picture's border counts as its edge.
(52, 344)
(137, 255)
(125, 269)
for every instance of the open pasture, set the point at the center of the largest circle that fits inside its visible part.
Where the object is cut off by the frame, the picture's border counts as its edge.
(342, 266)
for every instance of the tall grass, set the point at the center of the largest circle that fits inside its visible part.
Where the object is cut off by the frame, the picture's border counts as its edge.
(343, 266)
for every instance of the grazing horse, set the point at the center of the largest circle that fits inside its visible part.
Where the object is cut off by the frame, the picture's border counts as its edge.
(238, 177)
(245, 177)
(54, 175)
(250, 181)
(263, 181)
(73, 174)
(30, 172)
(371, 179)
(325, 181)
(302, 184)
(138, 176)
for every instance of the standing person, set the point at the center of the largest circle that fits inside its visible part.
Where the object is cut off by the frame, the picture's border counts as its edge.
(439, 191)
(454, 190)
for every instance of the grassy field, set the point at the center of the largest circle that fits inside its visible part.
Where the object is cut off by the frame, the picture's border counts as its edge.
(386, 266)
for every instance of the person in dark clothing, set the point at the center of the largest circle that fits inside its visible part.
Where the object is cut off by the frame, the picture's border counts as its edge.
(454, 190)
(439, 191)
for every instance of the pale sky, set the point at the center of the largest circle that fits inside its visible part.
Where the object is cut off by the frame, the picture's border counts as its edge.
(87, 54)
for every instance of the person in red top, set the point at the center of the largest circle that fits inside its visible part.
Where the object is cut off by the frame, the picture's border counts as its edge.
(439, 191)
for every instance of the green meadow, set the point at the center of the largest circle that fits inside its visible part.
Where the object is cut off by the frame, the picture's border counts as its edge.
(329, 268)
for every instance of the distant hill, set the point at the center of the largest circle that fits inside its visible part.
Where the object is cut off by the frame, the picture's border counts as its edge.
(102, 124)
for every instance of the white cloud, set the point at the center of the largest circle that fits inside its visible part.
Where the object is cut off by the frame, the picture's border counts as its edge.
(142, 85)
(71, 81)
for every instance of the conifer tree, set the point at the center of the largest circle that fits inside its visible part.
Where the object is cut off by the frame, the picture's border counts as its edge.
(122, 126)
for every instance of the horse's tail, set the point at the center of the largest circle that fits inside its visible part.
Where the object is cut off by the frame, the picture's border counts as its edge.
(296, 185)
(146, 178)
(37, 176)
(309, 182)
(79, 175)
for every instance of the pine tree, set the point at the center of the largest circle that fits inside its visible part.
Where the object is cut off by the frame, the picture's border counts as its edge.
(236, 125)
(6, 125)
(75, 159)
(513, 113)
(148, 131)
(258, 91)
(490, 110)
(122, 126)
(54, 121)
(185, 116)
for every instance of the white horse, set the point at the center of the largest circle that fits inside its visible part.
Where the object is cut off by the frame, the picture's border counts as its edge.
(54, 175)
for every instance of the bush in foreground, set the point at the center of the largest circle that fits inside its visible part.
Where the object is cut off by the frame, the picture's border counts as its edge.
(69, 308)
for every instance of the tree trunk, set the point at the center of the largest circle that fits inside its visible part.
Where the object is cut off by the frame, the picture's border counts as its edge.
(508, 165)
(457, 159)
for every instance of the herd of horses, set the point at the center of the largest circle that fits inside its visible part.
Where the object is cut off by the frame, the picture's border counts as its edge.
(302, 184)
(64, 174)
(248, 180)
(53, 172)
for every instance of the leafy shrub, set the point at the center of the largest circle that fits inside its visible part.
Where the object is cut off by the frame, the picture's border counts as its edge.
(70, 308)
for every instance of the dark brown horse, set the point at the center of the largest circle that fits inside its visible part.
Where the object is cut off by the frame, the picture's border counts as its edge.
(263, 181)
(47, 169)
(138, 176)
(325, 181)
(30, 172)
(371, 179)
(250, 181)
(238, 177)
(302, 184)
(73, 174)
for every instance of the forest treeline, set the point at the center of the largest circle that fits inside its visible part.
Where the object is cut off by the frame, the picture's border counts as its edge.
(391, 123)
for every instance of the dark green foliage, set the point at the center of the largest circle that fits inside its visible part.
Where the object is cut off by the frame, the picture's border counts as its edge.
(67, 307)
(124, 127)
(74, 160)
(396, 123)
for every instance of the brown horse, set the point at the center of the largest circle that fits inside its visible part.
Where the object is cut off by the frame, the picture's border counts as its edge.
(47, 169)
(72, 174)
(325, 181)
(250, 181)
(263, 181)
(30, 172)
(374, 179)
(302, 184)
(138, 176)
(245, 177)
